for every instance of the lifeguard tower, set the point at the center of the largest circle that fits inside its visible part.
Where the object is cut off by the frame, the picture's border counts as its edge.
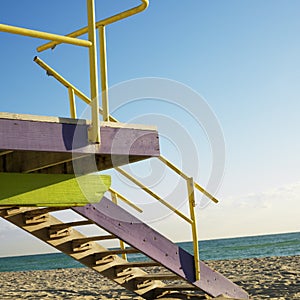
(39, 175)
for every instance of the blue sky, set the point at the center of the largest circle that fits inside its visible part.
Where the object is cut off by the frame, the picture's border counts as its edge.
(241, 56)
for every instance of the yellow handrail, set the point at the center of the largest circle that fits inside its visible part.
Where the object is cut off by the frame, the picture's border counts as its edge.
(184, 176)
(154, 195)
(125, 200)
(104, 22)
(44, 35)
(51, 72)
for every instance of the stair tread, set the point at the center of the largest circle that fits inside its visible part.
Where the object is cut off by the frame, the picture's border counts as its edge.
(161, 276)
(117, 251)
(141, 264)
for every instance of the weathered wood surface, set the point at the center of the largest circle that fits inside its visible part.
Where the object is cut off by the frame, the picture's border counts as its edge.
(50, 146)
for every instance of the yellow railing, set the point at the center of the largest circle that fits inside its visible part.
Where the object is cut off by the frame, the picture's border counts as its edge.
(191, 185)
(94, 133)
(100, 25)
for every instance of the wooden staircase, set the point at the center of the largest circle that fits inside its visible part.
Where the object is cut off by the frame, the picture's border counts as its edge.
(175, 278)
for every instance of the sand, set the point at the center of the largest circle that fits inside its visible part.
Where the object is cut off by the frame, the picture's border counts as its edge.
(263, 278)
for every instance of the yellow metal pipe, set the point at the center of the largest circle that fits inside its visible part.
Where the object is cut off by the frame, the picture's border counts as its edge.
(114, 199)
(44, 35)
(103, 68)
(173, 167)
(155, 196)
(192, 204)
(184, 176)
(103, 22)
(204, 192)
(72, 103)
(124, 14)
(51, 72)
(125, 200)
(94, 132)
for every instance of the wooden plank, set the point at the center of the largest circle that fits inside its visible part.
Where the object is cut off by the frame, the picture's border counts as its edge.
(49, 119)
(35, 118)
(51, 189)
(94, 238)
(140, 264)
(64, 137)
(49, 147)
(159, 276)
(134, 232)
(117, 251)
(176, 287)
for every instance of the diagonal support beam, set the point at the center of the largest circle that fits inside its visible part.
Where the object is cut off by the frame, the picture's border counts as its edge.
(139, 235)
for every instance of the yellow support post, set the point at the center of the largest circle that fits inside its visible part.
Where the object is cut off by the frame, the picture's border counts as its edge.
(192, 204)
(103, 66)
(72, 103)
(114, 199)
(44, 35)
(94, 133)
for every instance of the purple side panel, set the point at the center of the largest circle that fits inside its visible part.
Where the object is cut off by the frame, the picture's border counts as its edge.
(63, 137)
(133, 231)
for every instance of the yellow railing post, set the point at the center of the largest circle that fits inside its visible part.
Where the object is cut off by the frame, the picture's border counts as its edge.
(192, 204)
(72, 103)
(103, 67)
(94, 133)
(114, 199)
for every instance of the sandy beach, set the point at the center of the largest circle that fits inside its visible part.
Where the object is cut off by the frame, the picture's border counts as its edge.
(262, 278)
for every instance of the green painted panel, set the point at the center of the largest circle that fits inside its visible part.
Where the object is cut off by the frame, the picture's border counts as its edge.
(52, 189)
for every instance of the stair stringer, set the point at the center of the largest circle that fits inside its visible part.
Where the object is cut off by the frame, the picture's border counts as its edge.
(139, 235)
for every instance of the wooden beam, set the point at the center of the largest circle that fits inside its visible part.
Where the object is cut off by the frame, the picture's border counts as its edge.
(73, 138)
(139, 235)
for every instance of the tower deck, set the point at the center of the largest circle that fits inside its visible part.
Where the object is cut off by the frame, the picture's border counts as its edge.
(31, 144)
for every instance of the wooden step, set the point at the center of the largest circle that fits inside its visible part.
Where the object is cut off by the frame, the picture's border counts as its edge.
(84, 244)
(117, 251)
(140, 264)
(158, 276)
(62, 230)
(179, 287)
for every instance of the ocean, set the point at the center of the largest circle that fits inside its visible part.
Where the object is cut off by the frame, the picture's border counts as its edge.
(286, 244)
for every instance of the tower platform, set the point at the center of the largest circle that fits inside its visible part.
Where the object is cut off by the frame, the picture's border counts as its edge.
(51, 145)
